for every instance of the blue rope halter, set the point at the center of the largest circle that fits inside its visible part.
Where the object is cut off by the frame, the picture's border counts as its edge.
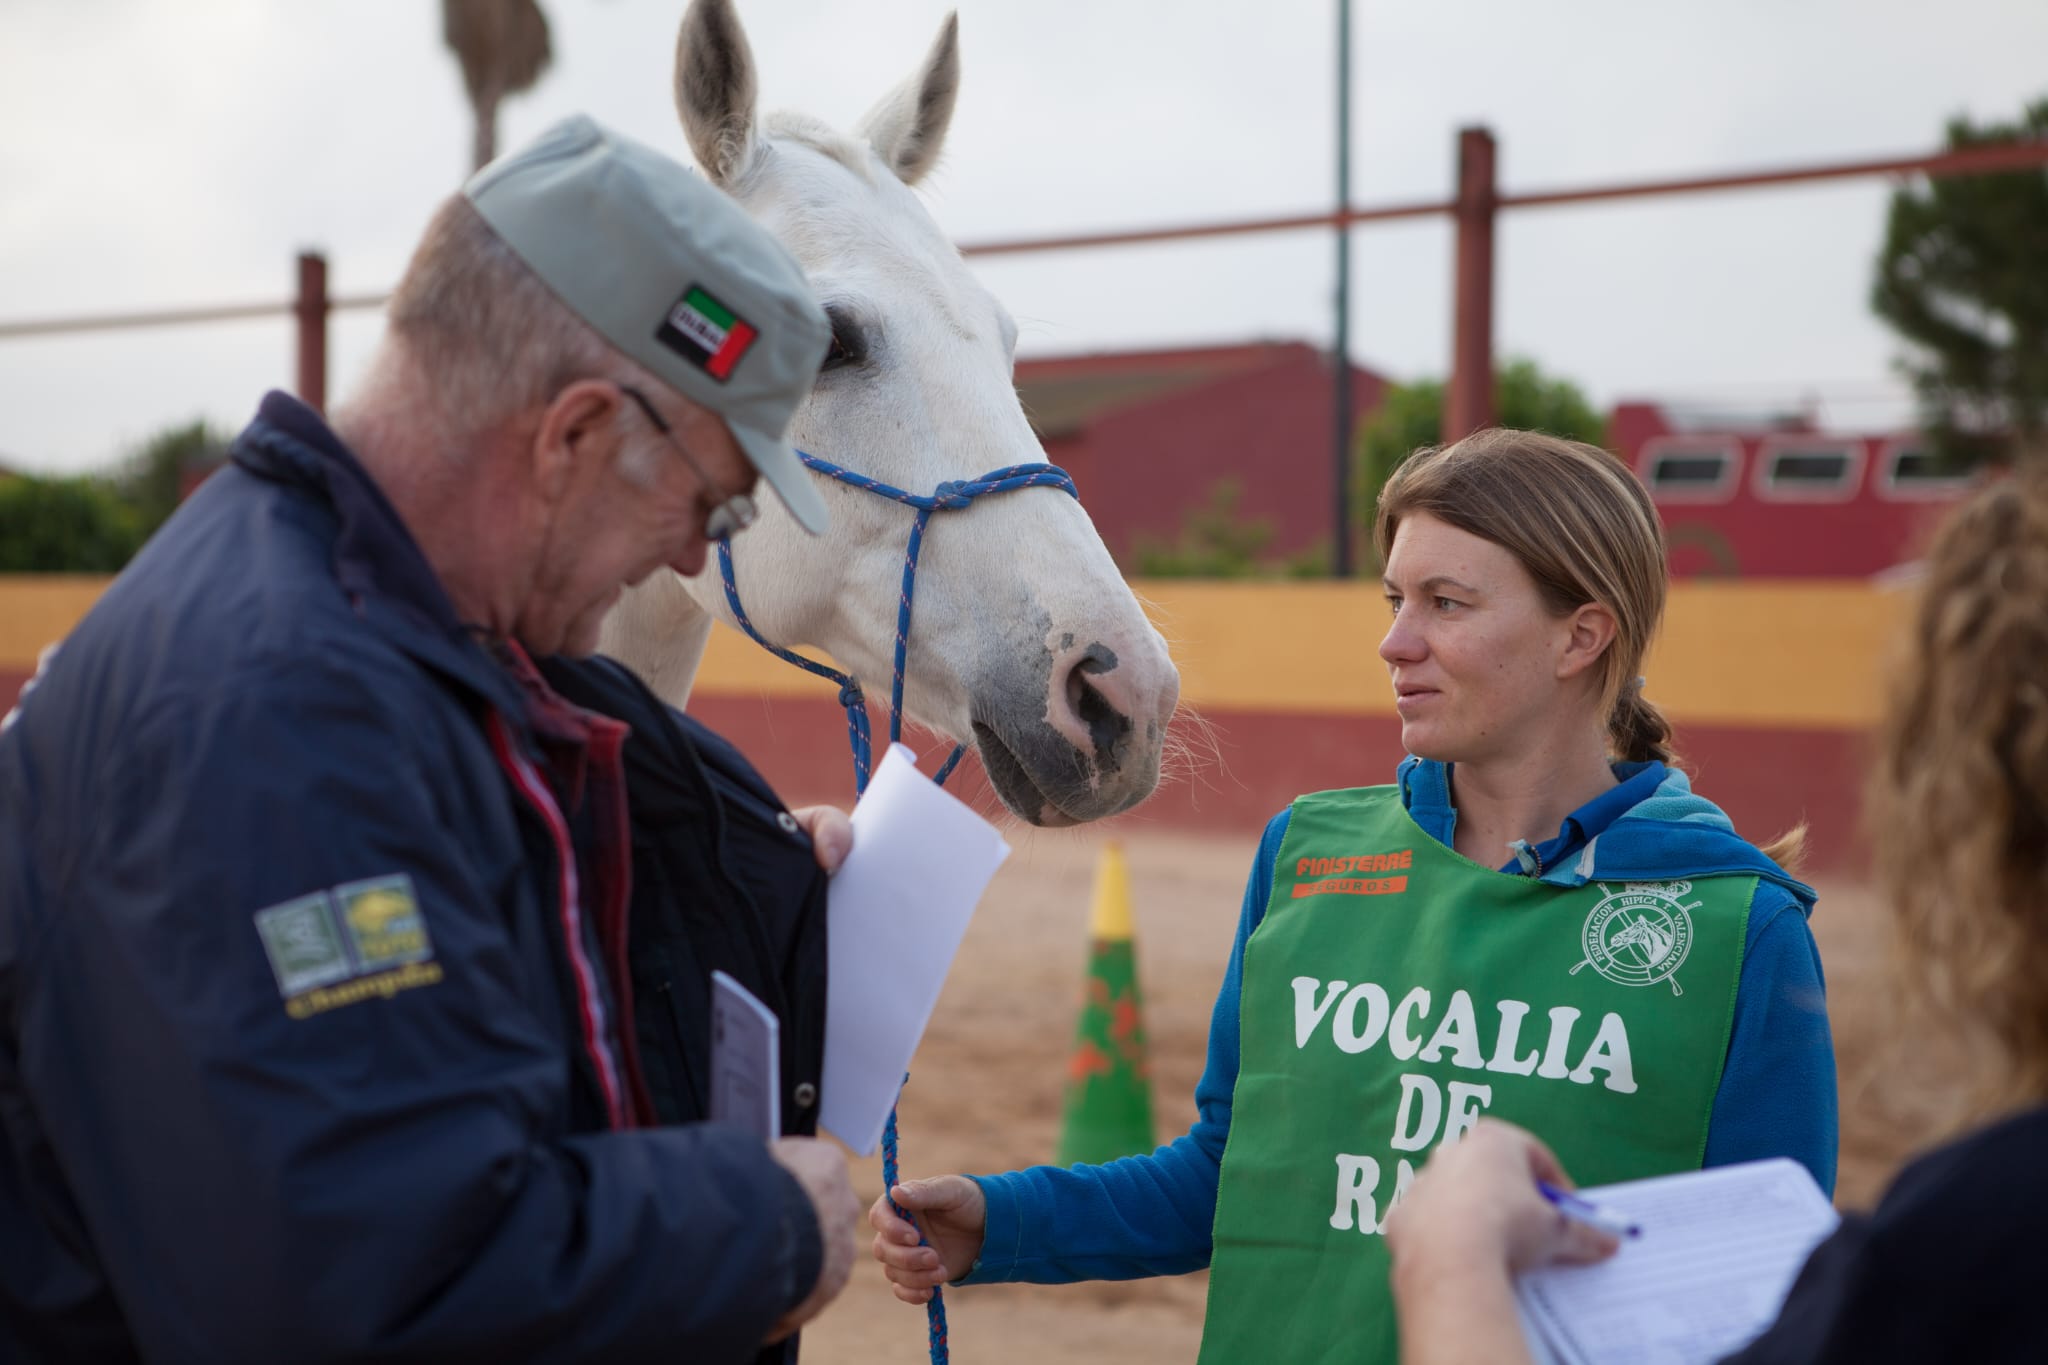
(948, 496)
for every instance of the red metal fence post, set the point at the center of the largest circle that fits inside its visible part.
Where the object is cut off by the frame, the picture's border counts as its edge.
(311, 308)
(1468, 399)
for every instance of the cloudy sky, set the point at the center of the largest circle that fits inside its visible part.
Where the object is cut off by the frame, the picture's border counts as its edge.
(167, 153)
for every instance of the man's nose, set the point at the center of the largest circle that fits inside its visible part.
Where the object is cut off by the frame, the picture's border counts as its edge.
(691, 561)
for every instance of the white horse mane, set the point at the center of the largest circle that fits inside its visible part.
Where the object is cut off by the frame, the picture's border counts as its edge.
(812, 132)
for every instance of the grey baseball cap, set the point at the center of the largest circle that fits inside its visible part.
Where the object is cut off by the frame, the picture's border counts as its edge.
(670, 271)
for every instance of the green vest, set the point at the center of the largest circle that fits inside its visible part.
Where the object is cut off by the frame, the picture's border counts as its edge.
(1393, 994)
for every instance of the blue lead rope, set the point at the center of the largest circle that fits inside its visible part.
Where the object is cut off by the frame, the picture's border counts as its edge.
(948, 496)
(935, 1310)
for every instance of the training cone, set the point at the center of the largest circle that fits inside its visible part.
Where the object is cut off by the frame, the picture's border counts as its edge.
(1109, 1086)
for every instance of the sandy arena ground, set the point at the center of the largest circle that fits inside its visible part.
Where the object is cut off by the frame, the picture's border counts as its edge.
(986, 1087)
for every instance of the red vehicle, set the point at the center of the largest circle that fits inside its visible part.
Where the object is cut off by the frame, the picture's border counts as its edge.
(1787, 500)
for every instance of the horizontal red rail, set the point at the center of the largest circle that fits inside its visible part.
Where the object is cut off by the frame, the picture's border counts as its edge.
(177, 317)
(1970, 161)
(2010, 156)
(1303, 220)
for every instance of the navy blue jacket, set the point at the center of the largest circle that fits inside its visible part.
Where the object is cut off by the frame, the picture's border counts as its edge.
(309, 1040)
(1946, 1268)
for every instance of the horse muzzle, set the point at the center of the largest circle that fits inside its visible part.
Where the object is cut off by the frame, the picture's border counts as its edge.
(1088, 746)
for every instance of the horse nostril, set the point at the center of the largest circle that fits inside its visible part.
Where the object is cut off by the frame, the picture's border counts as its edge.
(1106, 726)
(1090, 705)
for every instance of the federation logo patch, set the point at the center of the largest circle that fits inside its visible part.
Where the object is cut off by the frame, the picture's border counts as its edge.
(357, 941)
(706, 333)
(1639, 935)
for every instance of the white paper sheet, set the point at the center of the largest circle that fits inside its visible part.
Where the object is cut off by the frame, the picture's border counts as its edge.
(1718, 1253)
(897, 909)
(746, 1066)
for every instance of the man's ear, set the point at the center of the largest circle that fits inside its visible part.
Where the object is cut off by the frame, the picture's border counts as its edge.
(579, 424)
(1589, 632)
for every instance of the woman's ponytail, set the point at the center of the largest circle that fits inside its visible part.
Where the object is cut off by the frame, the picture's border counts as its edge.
(1788, 850)
(1636, 730)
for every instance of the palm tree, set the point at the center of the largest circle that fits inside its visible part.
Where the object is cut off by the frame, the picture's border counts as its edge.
(503, 48)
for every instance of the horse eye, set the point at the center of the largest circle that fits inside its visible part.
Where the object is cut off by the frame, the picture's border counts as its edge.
(849, 345)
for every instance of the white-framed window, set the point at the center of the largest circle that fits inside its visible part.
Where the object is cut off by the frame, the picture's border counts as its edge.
(1689, 469)
(1910, 470)
(1809, 469)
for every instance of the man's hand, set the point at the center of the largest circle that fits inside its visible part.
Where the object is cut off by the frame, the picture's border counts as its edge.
(954, 1214)
(831, 834)
(821, 1170)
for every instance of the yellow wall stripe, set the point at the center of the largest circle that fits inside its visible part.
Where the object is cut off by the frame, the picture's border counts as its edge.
(1801, 654)
(37, 609)
(1789, 653)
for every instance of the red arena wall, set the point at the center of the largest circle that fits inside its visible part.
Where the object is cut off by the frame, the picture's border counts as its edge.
(1772, 686)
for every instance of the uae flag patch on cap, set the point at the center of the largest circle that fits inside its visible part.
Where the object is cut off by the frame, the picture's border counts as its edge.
(706, 333)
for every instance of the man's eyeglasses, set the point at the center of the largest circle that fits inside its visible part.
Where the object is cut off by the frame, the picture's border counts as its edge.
(732, 516)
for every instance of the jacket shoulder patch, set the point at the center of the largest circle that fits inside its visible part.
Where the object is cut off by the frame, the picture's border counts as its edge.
(353, 942)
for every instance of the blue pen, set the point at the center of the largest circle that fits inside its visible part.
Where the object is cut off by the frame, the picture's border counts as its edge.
(1583, 1211)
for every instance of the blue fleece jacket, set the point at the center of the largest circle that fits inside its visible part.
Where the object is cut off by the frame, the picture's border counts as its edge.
(1152, 1215)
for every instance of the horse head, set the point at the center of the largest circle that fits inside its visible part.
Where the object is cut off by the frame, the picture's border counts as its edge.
(1025, 641)
(1655, 942)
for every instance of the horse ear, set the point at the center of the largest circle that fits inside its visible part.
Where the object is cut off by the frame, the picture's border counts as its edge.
(908, 125)
(716, 89)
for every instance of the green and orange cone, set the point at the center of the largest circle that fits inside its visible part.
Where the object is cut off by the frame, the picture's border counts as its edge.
(1109, 1085)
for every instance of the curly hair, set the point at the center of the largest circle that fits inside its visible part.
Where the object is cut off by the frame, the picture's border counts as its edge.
(1957, 804)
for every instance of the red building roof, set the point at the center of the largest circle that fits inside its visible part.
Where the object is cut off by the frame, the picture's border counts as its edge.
(1148, 435)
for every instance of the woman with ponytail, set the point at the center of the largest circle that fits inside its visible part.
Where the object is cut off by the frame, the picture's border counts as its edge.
(1949, 1264)
(1537, 920)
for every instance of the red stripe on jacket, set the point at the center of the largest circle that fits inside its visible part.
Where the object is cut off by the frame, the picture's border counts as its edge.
(589, 1001)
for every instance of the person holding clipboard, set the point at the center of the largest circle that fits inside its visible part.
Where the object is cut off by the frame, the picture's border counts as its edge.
(1949, 1264)
(1537, 919)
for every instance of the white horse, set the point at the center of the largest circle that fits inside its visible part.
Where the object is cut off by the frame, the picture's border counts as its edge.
(1025, 642)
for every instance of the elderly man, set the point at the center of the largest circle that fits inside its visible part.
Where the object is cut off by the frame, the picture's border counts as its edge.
(318, 1028)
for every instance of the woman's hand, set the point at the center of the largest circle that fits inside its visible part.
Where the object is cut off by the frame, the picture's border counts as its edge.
(1470, 1220)
(954, 1216)
(1477, 1200)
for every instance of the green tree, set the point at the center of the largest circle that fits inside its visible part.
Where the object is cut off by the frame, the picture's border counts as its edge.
(1411, 417)
(152, 479)
(66, 525)
(1217, 541)
(96, 523)
(1961, 278)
